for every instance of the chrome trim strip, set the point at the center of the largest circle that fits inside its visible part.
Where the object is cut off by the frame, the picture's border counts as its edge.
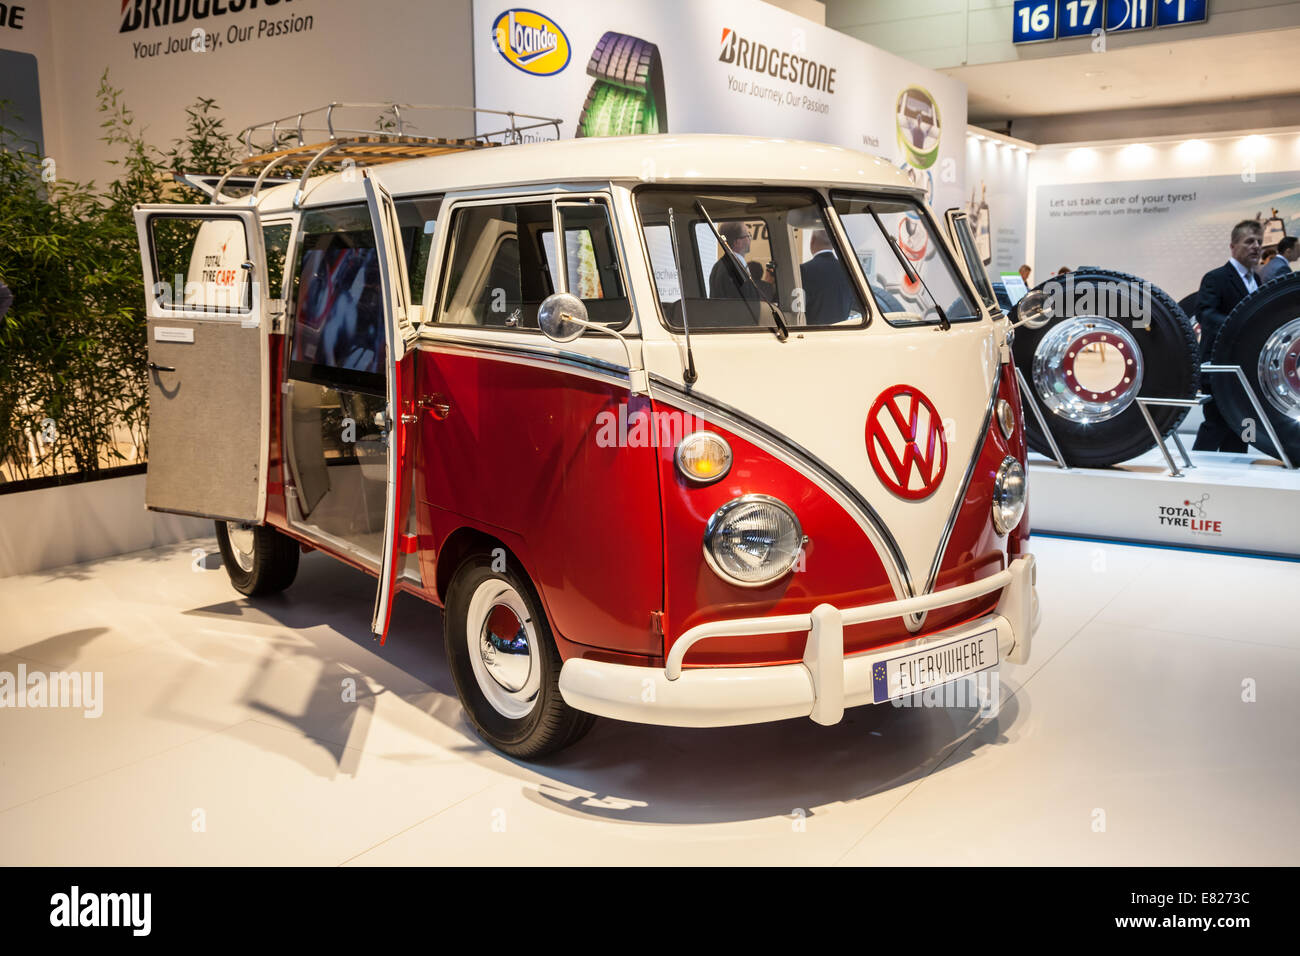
(965, 483)
(583, 364)
(812, 467)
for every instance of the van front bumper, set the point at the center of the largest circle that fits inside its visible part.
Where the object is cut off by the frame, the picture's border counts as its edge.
(820, 687)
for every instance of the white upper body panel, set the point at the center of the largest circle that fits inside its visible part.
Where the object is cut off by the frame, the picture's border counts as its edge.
(708, 158)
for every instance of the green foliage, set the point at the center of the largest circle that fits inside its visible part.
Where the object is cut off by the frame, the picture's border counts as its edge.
(73, 347)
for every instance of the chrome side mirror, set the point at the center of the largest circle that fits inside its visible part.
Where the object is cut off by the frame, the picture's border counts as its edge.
(1033, 310)
(562, 316)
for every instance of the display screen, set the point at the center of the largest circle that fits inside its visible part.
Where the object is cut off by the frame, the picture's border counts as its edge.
(338, 334)
(1015, 286)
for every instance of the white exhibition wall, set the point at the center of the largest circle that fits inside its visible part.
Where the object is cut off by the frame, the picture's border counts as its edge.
(736, 66)
(997, 173)
(263, 59)
(1162, 209)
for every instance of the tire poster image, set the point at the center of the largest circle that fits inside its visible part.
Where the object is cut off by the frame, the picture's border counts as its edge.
(731, 66)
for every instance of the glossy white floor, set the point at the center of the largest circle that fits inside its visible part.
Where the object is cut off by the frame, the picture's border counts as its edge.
(224, 738)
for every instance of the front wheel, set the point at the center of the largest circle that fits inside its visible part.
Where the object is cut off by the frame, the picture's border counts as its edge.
(505, 664)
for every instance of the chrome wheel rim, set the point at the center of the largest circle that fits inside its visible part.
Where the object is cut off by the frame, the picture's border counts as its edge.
(1074, 383)
(503, 648)
(241, 543)
(1279, 369)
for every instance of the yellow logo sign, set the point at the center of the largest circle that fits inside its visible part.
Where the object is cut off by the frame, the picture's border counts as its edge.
(531, 41)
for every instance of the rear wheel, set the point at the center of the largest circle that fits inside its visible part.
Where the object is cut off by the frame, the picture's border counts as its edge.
(1262, 335)
(1087, 367)
(258, 559)
(505, 664)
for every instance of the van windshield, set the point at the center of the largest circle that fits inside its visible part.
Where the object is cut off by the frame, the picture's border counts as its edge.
(885, 231)
(776, 261)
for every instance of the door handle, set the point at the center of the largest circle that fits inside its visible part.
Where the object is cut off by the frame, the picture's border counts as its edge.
(162, 368)
(438, 404)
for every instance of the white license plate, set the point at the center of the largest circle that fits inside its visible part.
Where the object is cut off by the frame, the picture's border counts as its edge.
(933, 664)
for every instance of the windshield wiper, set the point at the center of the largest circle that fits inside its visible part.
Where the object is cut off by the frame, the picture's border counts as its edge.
(689, 375)
(911, 272)
(781, 330)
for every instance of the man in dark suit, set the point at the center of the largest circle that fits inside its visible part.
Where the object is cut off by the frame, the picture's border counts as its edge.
(1221, 290)
(1288, 251)
(828, 293)
(726, 278)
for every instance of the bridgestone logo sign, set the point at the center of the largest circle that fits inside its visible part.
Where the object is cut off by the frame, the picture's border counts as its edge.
(781, 64)
(142, 14)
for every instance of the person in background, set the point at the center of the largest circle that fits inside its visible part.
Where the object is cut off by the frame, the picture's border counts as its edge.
(829, 296)
(6, 299)
(726, 280)
(1063, 270)
(1288, 251)
(1221, 290)
(1025, 272)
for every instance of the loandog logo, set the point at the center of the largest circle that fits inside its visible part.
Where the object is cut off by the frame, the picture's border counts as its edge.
(906, 442)
(1190, 515)
(531, 41)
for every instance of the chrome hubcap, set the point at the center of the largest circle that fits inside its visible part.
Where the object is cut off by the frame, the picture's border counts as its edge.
(1279, 369)
(503, 649)
(241, 543)
(1088, 369)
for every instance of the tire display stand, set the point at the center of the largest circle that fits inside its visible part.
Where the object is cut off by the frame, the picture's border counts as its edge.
(1237, 503)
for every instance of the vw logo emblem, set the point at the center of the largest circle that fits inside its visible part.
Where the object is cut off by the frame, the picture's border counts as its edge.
(906, 442)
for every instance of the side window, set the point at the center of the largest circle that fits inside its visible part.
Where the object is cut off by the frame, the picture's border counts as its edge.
(198, 261)
(276, 239)
(418, 218)
(503, 263)
(338, 310)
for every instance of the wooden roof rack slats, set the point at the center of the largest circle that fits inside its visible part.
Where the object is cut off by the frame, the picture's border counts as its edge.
(393, 139)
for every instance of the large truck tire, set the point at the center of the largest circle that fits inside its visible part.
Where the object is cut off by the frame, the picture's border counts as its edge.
(1087, 366)
(615, 111)
(627, 97)
(1262, 335)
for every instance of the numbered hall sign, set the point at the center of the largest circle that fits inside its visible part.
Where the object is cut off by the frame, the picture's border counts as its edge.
(1078, 18)
(1170, 13)
(1034, 20)
(1124, 15)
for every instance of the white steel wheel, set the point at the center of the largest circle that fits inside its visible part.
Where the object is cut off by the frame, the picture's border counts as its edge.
(505, 662)
(241, 544)
(503, 648)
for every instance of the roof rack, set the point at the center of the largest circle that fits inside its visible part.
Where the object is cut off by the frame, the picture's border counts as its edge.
(394, 137)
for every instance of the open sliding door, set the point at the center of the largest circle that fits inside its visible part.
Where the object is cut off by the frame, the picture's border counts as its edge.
(399, 412)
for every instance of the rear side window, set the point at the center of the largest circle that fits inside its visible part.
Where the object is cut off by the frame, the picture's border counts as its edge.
(504, 261)
(275, 237)
(338, 309)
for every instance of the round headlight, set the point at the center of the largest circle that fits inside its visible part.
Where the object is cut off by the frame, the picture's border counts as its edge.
(1006, 417)
(703, 457)
(1008, 495)
(752, 540)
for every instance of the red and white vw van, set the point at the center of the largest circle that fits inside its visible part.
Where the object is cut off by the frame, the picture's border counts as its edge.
(674, 429)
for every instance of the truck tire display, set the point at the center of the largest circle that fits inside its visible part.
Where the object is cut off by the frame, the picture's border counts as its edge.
(1087, 366)
(628, 95)
(1262, 335)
